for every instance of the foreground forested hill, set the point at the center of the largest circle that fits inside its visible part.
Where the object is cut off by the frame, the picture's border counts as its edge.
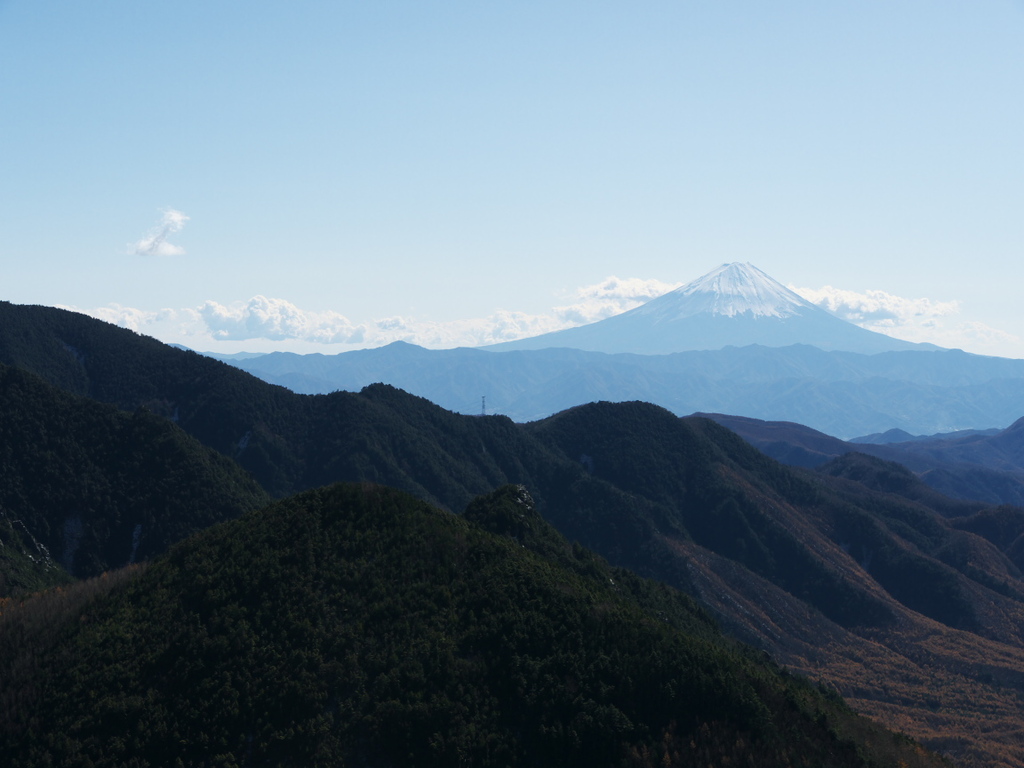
(354, 625)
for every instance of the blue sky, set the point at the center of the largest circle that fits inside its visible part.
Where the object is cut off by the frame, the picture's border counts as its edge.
(319, 176)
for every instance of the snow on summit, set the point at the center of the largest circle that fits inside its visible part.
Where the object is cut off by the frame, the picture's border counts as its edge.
(730, 290)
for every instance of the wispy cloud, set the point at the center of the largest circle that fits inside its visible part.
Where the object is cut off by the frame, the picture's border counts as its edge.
(154, 242)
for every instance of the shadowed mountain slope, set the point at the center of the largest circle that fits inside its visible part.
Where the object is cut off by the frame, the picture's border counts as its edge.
(358, 626)
(832, 577)
(986, 466)
(286, 441)
(93, 488)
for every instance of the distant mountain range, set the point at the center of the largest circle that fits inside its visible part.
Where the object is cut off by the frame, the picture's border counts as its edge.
(734, 341)
(840, 393)
(986, 465)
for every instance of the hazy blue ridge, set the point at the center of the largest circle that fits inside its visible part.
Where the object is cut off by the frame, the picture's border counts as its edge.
(841, 393)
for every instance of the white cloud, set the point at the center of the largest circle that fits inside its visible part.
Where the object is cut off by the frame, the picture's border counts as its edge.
(920, 320)
(500, 326)
(126, 317)
(262, 319)
(168, 324)
(277, 320)
(611, 296)
(154, 243)
(877, 308)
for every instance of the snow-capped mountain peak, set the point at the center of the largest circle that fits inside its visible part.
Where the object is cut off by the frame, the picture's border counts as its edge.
(730, 290)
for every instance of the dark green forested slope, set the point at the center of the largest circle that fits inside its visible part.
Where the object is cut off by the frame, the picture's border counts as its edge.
(237, 415)
(354, 625)
(97, 487)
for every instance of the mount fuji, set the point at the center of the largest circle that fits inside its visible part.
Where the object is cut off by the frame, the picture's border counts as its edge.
(732, 342)
(734, 305)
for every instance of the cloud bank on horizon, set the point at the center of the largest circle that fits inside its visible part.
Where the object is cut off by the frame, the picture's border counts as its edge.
(277, 320)
(918, 320)
(266, 324)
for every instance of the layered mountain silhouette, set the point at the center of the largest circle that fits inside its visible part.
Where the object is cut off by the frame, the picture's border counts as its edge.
(858, 584)
(734, 305)
(839, 393)
(86, 487)
(983, 466)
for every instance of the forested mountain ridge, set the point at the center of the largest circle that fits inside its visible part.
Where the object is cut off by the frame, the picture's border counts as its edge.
(286, 441)
(987, 466)
(92, 488)
(357, 625)
(836, 580)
